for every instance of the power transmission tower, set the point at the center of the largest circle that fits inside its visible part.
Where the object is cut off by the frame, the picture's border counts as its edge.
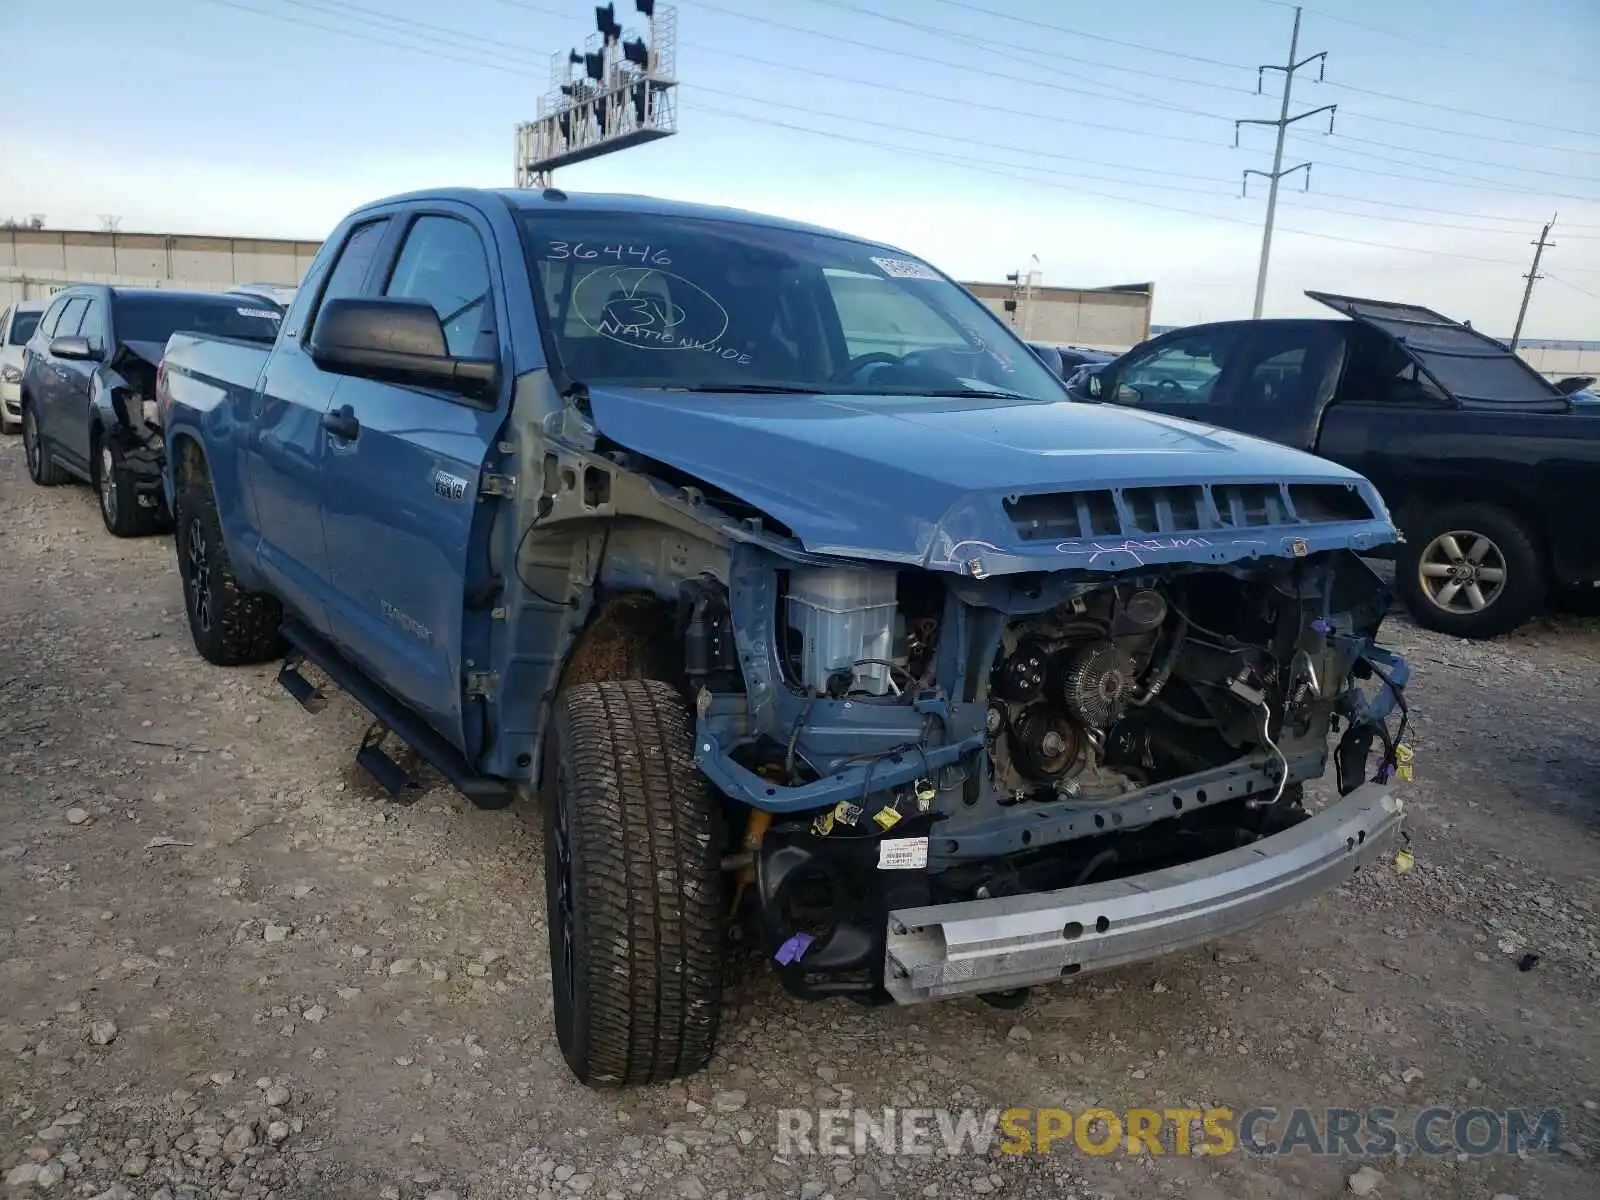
(1282, 124)
(1532, 277)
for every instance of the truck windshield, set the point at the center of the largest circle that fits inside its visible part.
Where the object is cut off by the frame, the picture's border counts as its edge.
(707, 305)
(155, 318)
(22, 327)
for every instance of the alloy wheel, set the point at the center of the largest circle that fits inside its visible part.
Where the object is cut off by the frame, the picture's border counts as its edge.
(108, 485)
(1462, 571)
(30, 442)
(197, 574)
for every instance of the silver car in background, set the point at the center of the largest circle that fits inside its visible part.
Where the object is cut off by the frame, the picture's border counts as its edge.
(16, 327)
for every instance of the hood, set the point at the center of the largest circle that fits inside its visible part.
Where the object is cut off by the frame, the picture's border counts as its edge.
(1012, 486)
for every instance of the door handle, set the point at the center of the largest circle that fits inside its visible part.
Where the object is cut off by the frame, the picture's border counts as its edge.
(342, 423)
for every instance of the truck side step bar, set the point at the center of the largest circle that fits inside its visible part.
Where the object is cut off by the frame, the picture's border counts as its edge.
(483, 791)
(308, 695)
(391, 776)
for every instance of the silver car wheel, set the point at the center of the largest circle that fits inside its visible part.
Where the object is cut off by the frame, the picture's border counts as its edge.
(108, 484)
(1462, 572)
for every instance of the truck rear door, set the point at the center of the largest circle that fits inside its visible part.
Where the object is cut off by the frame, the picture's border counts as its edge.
(400, 486)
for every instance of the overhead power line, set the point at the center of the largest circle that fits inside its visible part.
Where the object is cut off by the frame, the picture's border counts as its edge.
(1054, 85)
(996, 14)
(1055, 56)
(1431, 43)
(924, 95)
(1339, 139)
(1567, 283)
(1465, 112)
(989, 170)
(471, 56)
(920, 93)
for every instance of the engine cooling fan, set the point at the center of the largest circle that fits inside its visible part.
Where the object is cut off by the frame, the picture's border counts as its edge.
(1094, 682)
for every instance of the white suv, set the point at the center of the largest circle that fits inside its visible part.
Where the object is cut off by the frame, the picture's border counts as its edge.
(16, 327)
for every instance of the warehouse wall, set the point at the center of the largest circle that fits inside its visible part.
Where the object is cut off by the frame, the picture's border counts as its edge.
(36, 263)
(1099, 318)
(1559, 359)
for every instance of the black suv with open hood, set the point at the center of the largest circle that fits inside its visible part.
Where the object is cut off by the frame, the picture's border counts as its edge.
(1489, 469)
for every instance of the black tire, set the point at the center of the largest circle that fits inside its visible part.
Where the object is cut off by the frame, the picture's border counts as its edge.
(230, 626)
(638, 929)
(1493, 553)
(42, 469)
(119, 501)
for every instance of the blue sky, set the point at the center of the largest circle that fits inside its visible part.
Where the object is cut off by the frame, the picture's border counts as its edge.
(1057, 129)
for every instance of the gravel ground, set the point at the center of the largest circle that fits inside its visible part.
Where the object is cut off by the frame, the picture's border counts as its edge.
(230, 969)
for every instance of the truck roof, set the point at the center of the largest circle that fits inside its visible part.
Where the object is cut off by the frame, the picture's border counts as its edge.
(528, 199)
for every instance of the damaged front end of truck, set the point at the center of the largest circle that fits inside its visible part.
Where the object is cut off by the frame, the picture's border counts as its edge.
(1042, 733)
(1013, 765)
(848, 627)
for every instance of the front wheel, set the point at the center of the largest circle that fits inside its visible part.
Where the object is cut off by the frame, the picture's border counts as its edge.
(119, 501)
(633, 845)
(230, 626)
(1470, 570)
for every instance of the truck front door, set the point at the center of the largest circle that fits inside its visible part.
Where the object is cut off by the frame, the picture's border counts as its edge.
(400, 491)
(287, 445)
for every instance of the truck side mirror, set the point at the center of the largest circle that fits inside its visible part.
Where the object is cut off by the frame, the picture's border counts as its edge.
(397, 340)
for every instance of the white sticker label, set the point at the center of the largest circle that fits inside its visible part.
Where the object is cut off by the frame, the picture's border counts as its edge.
(260, 313)
(902, 854)
(905, 268)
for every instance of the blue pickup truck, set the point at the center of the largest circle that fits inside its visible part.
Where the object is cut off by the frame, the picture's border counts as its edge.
(797, 592)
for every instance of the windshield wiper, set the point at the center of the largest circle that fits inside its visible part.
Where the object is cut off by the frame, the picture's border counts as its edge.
(754, 389)
(964, 393)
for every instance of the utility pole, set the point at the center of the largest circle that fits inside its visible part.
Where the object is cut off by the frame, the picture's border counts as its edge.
(1282, 124)
(1532, 277)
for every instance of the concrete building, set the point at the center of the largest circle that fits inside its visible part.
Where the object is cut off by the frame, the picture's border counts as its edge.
(37, 263)
(1108, 318)
(1559, 358)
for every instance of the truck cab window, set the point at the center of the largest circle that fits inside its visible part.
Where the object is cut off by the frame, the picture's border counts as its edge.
(1182, 371)
(355, 259)
(443, 263)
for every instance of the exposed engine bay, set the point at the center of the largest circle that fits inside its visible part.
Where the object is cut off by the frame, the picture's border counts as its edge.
(1117, 688)
(1032, 733)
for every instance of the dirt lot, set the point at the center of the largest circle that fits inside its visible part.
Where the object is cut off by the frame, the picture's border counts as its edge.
(230, 969)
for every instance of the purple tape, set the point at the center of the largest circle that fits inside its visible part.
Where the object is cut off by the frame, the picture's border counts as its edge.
(1323, 626)
(792, 949)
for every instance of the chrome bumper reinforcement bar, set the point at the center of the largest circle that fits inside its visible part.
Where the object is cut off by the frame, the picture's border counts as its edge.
(1007, 942)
